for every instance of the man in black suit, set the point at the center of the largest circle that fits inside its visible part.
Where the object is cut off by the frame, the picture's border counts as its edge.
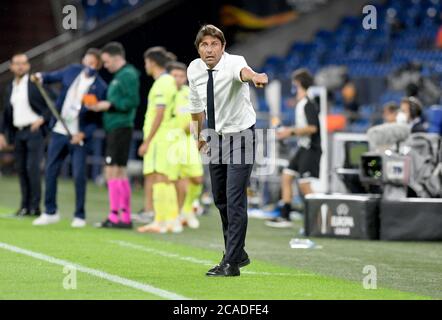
(24, 123)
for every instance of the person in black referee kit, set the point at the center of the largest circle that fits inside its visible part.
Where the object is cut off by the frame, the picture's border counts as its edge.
(219, 89)
(305, 164)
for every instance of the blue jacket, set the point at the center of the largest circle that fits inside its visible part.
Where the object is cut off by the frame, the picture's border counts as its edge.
(89, 120)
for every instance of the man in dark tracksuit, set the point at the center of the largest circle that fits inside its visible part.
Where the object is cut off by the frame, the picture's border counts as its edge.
(24, 123)
(78, 81)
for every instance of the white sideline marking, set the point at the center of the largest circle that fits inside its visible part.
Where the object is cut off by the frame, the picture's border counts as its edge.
(192, 259)
(161, 253)
(97, 273)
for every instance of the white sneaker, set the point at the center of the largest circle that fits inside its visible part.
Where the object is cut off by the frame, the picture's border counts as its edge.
(175, 226)
(192, 221)
(78, 223)
(45, 219)
(143, 217)
(198, 209)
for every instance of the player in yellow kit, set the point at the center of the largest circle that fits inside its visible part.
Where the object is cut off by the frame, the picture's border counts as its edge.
(159, 168)
(190, 168)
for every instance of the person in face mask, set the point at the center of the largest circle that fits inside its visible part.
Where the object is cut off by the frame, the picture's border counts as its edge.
(81, 85)
(411, 113)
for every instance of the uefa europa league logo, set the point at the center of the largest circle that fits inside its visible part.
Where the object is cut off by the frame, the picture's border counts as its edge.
(324, 216)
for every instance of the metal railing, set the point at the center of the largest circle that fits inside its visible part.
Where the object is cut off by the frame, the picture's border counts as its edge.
(69, 46)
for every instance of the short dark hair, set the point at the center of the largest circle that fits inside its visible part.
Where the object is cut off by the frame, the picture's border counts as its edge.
(391, 107)
(175, 65)
(96, 53)
(304, 77)
(172, 56)
(415, 105)
(412, 90)
(114, 49)
(209, 30)
(159, 55)
(19, 54)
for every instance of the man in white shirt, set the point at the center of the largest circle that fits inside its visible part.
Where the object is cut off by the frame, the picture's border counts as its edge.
(219, 91)
(24, 121)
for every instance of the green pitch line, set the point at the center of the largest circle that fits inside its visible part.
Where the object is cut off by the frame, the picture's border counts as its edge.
(177, 262)
(159, 266)
(26, 278)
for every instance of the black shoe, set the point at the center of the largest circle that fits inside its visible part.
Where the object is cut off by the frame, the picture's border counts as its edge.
(244, 262)
(108, 224)
(225, 270)
(23, 212)
(35, 212)
(123, 225)
(279, 222)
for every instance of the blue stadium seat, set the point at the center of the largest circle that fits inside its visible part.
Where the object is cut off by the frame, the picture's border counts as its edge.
(371, 55)
(434, 117)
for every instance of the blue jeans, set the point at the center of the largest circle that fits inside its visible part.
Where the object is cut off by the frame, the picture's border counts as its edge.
(59, 148)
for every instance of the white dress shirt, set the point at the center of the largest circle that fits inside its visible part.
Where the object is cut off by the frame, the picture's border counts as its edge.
(23, 115)
(233, 110)
(72, 104)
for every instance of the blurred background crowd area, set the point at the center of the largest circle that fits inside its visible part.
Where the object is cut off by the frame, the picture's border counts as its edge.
(361, 69)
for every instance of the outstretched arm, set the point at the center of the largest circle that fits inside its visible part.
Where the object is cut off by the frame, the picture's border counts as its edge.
(258, 79)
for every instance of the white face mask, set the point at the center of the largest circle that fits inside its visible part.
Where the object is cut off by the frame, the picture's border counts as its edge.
(401, 117)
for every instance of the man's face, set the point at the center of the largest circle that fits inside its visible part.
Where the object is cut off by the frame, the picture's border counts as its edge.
(109, 62)
(180, 77)
(148, 64)
(211, 50)
(20, 65)
(389, 116)
(91, 61)
(296, 89)
(405, 108)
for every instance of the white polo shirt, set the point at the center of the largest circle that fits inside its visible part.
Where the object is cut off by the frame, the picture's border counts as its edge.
(233, 110)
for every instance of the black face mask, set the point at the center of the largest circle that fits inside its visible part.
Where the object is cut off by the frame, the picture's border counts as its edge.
(90, 72)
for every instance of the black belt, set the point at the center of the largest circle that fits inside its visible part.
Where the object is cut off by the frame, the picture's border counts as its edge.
(23, 128)
(249, 128)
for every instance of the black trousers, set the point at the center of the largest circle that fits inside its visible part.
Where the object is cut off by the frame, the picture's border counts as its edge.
(231, 163)
(28, 153)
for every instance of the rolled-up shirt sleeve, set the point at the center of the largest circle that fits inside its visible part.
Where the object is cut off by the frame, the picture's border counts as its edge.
(195, 105)
(239, 64)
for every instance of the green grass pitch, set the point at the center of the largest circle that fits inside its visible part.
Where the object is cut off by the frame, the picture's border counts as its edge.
(121, 264)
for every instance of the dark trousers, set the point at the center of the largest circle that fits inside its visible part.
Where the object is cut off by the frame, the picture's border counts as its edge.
(59, 148)
(230, 179)
(28, 153)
